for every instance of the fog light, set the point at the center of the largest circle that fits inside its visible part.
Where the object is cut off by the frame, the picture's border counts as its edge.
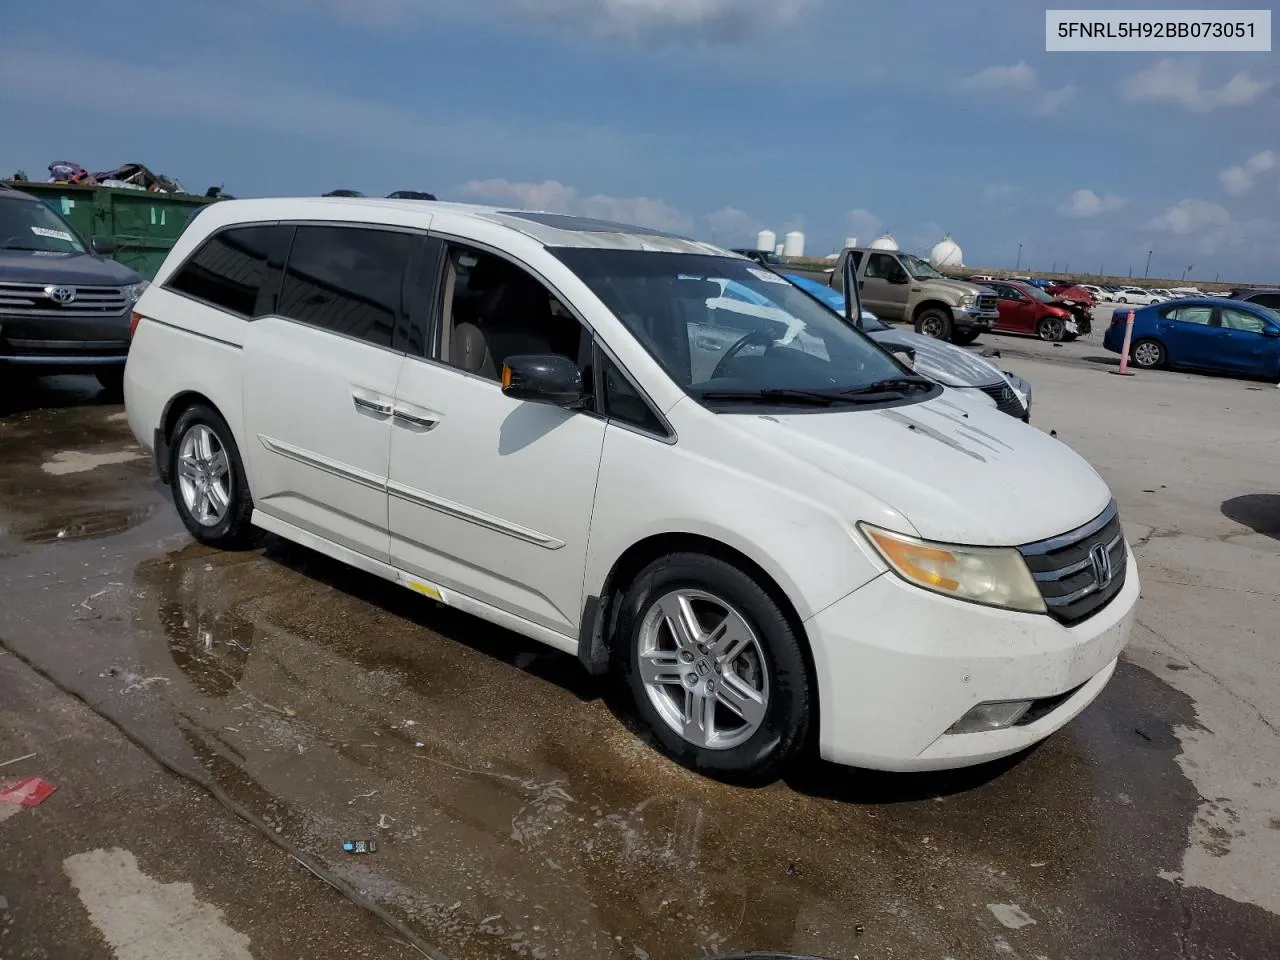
(991, 716)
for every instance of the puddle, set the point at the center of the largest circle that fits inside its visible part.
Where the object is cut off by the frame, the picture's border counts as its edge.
(516, 813)
(88, 525)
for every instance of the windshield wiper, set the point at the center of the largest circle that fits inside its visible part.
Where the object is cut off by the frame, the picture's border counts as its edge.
(894, 385)
(780, 395)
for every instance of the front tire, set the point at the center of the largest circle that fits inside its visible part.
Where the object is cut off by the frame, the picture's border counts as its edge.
(209, 485)
(935, 323)
(1051, 329)
(1148, 354)
(962, 338)
(714, 667)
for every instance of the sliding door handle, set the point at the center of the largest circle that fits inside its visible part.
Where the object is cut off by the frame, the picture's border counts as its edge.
(415, 420)
(372, 405)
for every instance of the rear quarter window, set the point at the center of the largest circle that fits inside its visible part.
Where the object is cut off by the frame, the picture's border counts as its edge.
(232, 270)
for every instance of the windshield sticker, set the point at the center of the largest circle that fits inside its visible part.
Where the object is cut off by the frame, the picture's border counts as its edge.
(53, 234)
(766, 276)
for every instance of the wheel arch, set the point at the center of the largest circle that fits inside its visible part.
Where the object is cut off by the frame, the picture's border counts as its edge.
(932, 304)
(173, 410)
(600, 615)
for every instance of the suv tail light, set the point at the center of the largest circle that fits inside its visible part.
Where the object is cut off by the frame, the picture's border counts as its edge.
(134, 320)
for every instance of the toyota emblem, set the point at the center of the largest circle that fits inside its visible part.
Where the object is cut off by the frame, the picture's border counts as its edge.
(60, 294)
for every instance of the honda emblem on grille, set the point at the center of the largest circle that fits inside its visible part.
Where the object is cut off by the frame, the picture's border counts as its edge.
(1100, 558)
(60, 294)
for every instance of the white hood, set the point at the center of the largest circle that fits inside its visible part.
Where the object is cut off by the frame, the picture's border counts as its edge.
(984, 479)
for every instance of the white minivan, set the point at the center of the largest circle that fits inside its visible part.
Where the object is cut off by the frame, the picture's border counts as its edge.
(776, 541)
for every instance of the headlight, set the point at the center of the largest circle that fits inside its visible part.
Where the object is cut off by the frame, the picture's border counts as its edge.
(992, 576)
(133, 291)
(968, 299)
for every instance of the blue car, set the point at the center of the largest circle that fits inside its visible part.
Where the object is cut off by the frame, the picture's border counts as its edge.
(1227, 336)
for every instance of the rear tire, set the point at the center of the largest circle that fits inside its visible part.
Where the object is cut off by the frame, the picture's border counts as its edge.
(207, 476)
(934, 322)
(1148, 354)
(962, 338)
(714, 667)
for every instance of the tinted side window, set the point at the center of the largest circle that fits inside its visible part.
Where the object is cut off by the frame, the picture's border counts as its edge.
(348, 280)
(1267, 300)
(229, 269)
(622, 402)
(882, 265)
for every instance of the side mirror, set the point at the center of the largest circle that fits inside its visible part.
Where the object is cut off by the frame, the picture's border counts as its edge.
(544, 378)
(104, 246)
(1271, 331)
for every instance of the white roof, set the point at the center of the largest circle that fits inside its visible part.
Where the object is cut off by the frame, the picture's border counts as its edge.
(549, 229)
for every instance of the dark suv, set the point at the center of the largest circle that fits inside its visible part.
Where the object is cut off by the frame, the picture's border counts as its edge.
(1262, 296)
(63, 307)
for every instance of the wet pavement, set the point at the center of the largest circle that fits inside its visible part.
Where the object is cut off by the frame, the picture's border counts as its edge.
(516, 809)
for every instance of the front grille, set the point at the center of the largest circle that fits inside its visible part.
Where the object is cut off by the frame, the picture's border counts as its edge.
(987, 302)
(1006, 400)
(32, 300)
(1066, 568)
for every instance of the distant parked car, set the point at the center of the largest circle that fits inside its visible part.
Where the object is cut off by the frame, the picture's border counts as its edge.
(1025, 308)
(938, 360)
(767, 257)
(410, 195)
(1263, 296)
(1229, 336)
(1137, 295)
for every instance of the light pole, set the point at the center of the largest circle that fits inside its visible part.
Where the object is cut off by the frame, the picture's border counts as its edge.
(1190, 267)
(1018, 266)
(1147, 272)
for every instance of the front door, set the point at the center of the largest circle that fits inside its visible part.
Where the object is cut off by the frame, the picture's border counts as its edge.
(460, 512)
(1244, 346)
(1017, 310)
(320, 377)
(885, 288)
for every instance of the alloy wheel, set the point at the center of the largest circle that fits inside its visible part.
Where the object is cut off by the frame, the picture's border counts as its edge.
(703, 669)
(204, 475)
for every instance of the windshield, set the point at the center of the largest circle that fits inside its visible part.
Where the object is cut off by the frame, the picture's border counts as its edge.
(723, 328)
(920, 269)
(33, 226)
(1039, 294)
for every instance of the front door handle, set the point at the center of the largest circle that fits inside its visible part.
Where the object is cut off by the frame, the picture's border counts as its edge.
(372, 405)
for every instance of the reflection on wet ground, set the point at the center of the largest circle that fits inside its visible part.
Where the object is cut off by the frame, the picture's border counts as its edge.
(515, 809)
(48, 451)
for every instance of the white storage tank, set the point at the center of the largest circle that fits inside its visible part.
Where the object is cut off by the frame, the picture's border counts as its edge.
(778, 249)
(947, 253)
(884, 242)
(766, 240)
(793, 245)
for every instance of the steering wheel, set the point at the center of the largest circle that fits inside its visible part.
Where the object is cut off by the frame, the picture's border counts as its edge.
(755, 338)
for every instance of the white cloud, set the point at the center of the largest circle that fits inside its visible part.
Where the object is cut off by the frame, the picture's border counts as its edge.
(1192, 216)
(1085, 203)
(1240, 180)
(701, 19)
(1019, 76)
(864, 225)
(1002, 193)
(732, 227)
(1052, 100)
(1179, 82)
(554, 197)
(1018, 80)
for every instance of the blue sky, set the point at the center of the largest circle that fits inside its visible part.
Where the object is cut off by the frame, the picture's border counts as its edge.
(711, 117)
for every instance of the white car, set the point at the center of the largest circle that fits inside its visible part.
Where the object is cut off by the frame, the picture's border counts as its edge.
(1137, 295)
(499, 411)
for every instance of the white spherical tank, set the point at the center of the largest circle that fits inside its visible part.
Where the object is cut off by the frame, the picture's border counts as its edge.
(947, 254)
(766, 240)
(884, 242)
(793, 245)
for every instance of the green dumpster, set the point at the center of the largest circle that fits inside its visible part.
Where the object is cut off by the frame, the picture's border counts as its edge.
(142, 224)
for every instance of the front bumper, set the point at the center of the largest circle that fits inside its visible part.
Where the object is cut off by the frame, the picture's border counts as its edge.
(974, 318)
(69, 344)
(898, 666)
